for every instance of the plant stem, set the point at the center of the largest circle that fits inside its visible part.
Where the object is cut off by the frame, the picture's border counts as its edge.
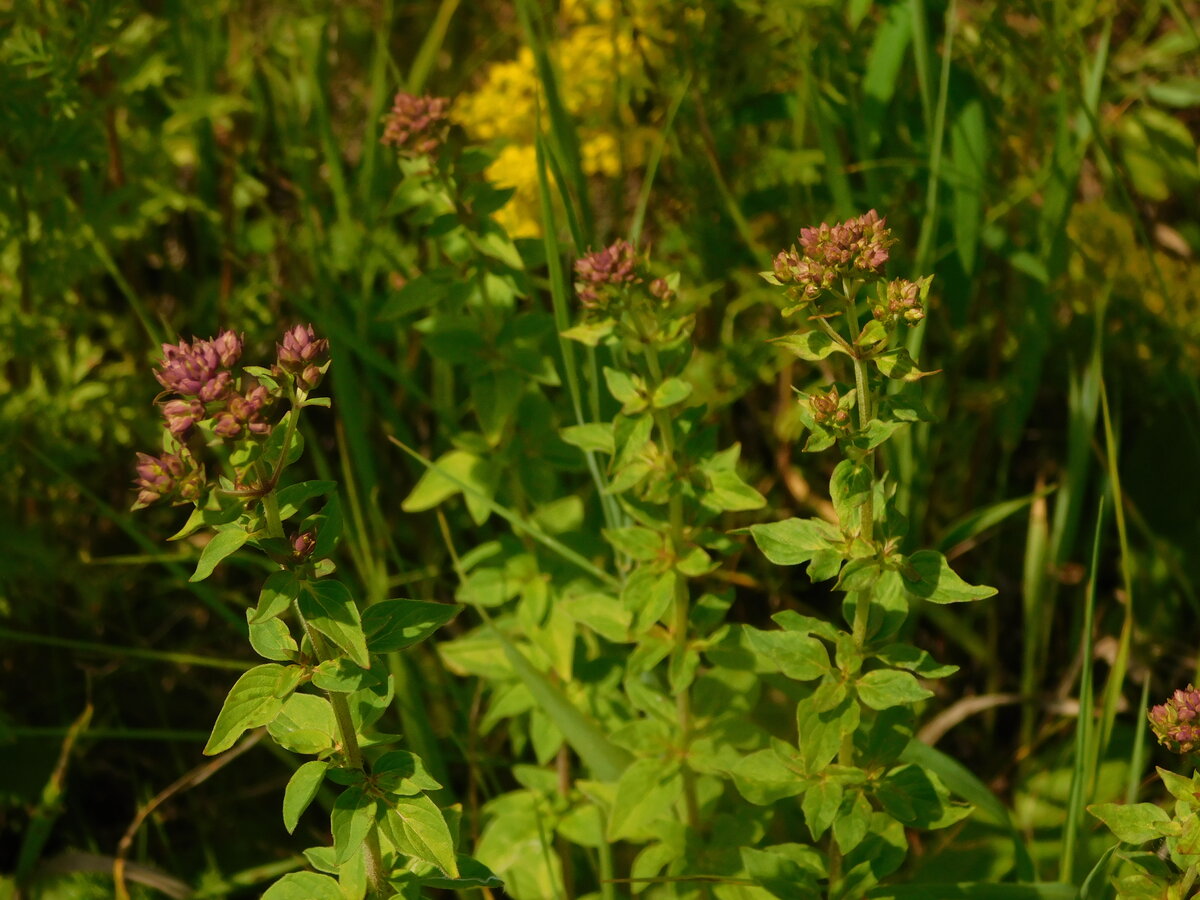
(863, 401)
(270, 504)
(682, 610)
(348, 737)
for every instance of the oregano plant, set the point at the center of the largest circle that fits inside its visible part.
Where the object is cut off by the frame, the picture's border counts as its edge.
(1173, 872)
(861, 682)
(228, 443)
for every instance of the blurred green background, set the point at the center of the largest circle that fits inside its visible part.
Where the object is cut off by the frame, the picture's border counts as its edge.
(172, 168)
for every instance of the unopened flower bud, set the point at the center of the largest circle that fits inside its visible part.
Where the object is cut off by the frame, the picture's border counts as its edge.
(303, 545)
(417, 126)
(309, 378)
(661, 290)
(301, 348)
(901, 301)
(827, 411)
(182, 415)
(226, 425)
(228, 347)
(171, 475)
(1176, 723)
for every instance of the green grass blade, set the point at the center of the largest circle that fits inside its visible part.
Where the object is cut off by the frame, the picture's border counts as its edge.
(564, 140)
(431, 45)
(1083, 770)
(643, 200)
(980, 520)
(562, 321)
(1120, 666)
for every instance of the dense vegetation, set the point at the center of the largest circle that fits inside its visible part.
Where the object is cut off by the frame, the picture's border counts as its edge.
(593, 451)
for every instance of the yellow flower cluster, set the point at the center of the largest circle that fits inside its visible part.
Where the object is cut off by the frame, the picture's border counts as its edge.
(594, 56)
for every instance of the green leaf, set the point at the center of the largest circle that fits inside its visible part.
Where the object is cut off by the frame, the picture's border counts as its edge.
(590, 333)
(821, 722)
(637, 542)
(729, 493)
(849, 488)
(292, 497)
(899, 365)
(301, 788)
(472, 874)
(810, 345)
(594, 437)
(927, 575)
(328, 607)
(797, 655)
(884, 688)
(434, 488)
(392, 625)
(646, 792)
(625, 391)
(403, 774)
(255, 699)
(794, 541)
(304, 886)
(764, 779)
(670, 392)
(786, 871)
(223, 544)
(873, 332)
(820, 806)
(304, 725)
(419, 829)
(278, 592)
(272, 639)
(906, 656)
(852, 821)
(1133, 823)
(602, 613)
(341, 676)
(351, 819)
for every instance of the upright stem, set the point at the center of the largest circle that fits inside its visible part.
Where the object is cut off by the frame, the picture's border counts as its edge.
(863, 401)
(348, 738)
(682, 609)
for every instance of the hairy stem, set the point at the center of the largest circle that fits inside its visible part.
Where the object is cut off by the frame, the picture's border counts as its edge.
(682, 609)
(348, 738)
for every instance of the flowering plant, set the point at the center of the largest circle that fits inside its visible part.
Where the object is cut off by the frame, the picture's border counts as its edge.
(325, 686)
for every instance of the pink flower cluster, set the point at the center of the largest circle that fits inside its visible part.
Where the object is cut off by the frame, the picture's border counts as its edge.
(828, 252)
(1175, 722)
(601, 271)
(200, 373)
(417, 126)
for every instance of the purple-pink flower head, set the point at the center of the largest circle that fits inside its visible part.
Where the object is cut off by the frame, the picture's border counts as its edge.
(197, 369)
(417, 126)
(613, 267)
(303, 355)
(856, 244)
(1176, 723)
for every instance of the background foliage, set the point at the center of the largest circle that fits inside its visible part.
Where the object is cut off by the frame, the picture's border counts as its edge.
(170, 169)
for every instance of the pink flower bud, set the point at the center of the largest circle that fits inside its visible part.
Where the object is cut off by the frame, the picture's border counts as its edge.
(182, 415)
(417, 126)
